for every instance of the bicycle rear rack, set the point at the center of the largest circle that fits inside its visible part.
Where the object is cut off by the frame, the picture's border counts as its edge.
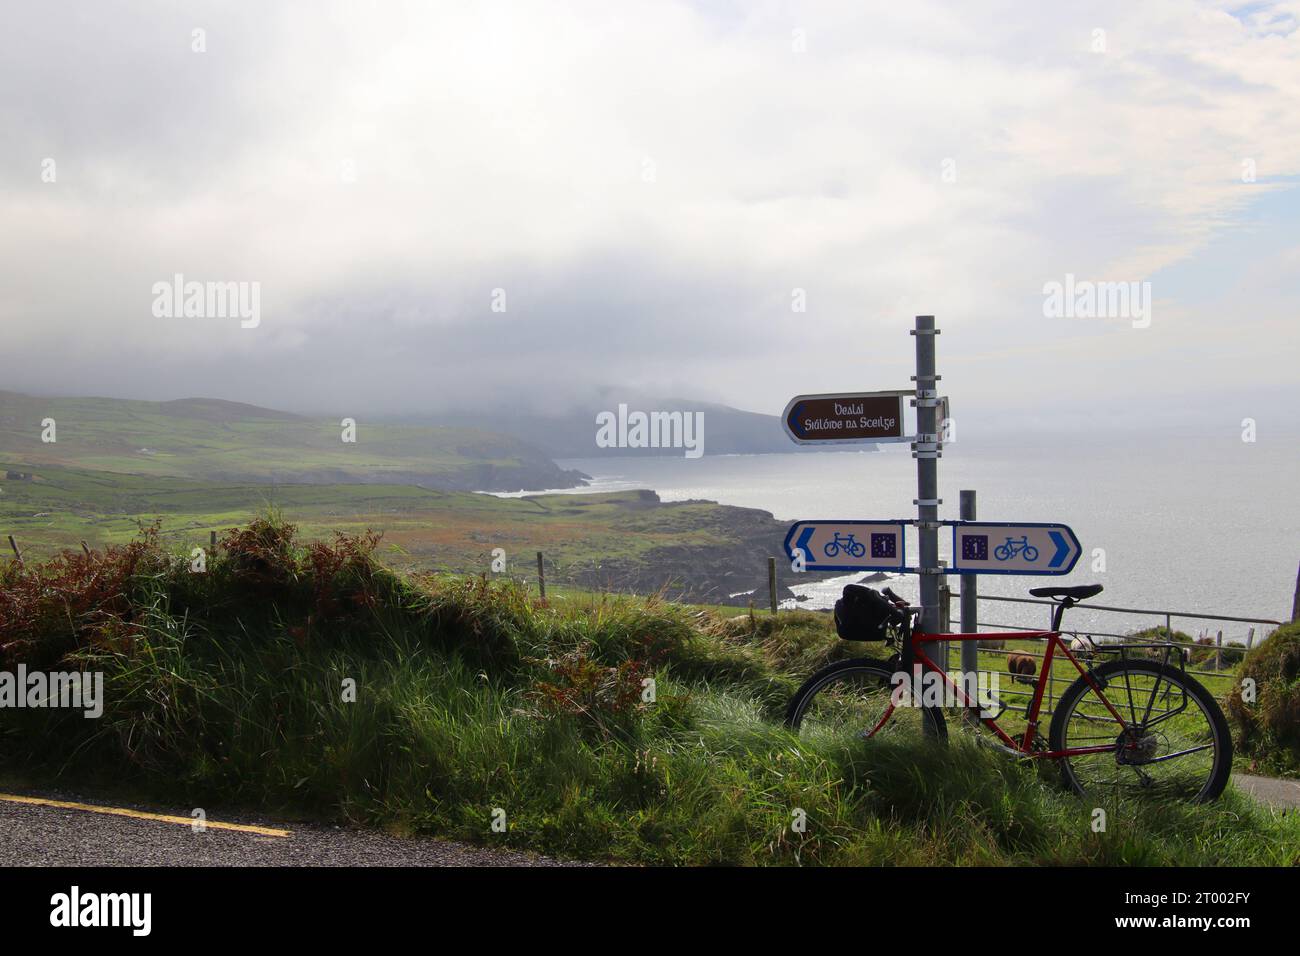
(1169, 647)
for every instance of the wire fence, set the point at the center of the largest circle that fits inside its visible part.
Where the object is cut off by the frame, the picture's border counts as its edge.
(1020, 687)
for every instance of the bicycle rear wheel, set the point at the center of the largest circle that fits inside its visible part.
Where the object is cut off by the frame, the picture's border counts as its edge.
(853, 698)
(1177, 745)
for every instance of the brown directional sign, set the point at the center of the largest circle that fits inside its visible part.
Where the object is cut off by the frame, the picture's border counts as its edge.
(846, 418)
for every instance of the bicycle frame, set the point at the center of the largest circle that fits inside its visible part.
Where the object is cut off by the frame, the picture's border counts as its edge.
(1025, 746)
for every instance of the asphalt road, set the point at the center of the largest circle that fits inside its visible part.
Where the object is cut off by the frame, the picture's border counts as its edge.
(41, 835)
(54, 836)
(1279, 793)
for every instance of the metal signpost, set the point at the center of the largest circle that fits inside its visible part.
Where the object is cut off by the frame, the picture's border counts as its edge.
(852, 545)
(926, 450)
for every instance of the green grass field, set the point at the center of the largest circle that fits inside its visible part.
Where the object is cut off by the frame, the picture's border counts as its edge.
(453, 530)
(308, 681)
(1017, 693)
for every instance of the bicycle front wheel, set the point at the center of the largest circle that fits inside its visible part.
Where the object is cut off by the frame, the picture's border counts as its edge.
(1175, 745)
(854, 699)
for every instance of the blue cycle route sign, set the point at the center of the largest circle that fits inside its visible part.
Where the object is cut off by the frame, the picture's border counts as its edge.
(848, 545)
(992, 547)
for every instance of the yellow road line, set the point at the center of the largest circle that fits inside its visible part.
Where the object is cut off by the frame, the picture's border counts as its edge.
(141, 815)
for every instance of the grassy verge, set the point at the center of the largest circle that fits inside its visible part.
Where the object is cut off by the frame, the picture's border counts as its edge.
(1265, 704)
(309, 680)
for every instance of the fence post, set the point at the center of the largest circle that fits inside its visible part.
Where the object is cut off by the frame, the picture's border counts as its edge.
(212, 542)
(771, 582)
(1250, 638)
(945, 613)
(970, 650)
(1218, 652)
(17, 554)
(541, 576)
(1295, 601)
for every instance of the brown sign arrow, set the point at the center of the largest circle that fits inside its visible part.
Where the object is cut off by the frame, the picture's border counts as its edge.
(855, 417)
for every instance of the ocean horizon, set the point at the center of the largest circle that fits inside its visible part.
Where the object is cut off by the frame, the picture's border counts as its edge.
(1183, 525)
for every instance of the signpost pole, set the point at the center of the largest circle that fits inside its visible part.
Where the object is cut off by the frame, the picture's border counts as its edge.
(771, 583)
(970, 653)
(926, 452)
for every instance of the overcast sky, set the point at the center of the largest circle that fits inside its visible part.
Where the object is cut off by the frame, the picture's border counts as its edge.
(650, 183)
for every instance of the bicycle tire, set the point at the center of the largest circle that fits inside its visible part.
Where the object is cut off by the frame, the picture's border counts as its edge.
(829, 674)
(1104, 673)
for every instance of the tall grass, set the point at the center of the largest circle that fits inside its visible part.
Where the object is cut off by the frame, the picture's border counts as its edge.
(231, 686)
(1267, 721)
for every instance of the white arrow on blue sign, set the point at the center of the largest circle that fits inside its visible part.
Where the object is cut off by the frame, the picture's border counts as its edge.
(848, 545)
(990, 547)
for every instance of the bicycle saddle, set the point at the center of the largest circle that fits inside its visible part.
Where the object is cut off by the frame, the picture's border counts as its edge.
(1077, 593)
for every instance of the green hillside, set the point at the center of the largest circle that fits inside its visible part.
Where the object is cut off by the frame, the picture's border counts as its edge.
(622, 541)
(213, 440)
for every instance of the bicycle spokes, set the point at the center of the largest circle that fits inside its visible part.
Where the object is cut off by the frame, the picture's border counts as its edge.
(1165, 746)
(858, 704)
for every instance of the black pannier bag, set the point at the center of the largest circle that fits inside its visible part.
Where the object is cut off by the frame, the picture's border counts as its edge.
(863, 613)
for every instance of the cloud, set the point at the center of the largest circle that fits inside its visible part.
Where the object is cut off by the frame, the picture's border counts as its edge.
(649, 183)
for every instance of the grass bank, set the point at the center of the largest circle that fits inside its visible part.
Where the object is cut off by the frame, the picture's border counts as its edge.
(1265, 704)
(307, 679)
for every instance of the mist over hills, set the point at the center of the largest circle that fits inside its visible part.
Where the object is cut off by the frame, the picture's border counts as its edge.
(571, 432)
(488, 449)
(215, 440)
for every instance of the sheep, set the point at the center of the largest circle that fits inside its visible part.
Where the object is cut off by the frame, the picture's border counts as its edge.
(1022, 667)
(1082, 648)
(1172, 655)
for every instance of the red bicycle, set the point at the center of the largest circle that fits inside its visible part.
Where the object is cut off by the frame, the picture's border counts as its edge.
(1135, 721)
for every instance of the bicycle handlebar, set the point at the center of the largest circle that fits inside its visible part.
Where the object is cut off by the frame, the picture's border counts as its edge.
(903, 607)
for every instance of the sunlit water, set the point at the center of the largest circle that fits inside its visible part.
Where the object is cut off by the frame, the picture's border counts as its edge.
(1189, 525)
